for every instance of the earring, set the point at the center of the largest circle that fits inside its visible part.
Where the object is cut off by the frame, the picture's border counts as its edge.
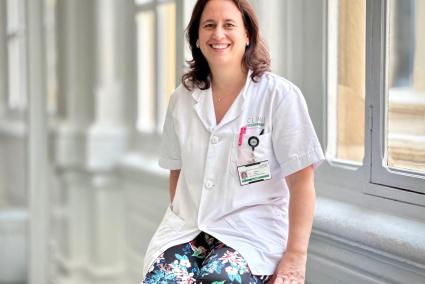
(247, 44)
(197, 43)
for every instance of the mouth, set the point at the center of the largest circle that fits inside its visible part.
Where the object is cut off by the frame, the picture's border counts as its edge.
(219, 46)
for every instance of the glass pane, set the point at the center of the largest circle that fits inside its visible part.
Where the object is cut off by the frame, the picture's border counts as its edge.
(167, 57)
(346, 80)
(406, 85)
(146, 71)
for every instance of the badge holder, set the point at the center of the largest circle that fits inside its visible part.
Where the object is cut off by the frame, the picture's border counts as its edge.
(254, 171)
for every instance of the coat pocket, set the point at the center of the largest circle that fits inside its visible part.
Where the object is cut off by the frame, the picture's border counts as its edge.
(244, 154)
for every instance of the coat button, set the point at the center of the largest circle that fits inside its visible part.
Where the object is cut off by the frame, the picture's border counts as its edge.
(209, 184)
(214, 140)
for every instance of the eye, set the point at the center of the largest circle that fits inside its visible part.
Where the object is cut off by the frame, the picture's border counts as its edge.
(229, 26)
(209, 26)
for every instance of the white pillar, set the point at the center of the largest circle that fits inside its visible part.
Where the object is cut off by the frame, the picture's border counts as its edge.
(93, 73)
(273, 19)
(419, 65)
(3, 58)
(107, 142)
(187, 13)
(106, 263)
(76, 75)
(108, 134)
(72, 204)
(3, 86)
(37, 145)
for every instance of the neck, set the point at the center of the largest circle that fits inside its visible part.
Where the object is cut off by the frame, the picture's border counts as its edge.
(228, 80)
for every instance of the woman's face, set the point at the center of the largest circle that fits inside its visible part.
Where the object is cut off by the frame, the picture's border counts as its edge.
(222, 34)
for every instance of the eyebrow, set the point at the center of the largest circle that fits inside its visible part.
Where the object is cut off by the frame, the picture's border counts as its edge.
(211, 20)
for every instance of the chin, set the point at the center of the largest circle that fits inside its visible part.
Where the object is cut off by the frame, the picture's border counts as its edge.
(221, 63)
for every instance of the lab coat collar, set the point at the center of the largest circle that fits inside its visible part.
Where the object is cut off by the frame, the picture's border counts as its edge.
(204, 106)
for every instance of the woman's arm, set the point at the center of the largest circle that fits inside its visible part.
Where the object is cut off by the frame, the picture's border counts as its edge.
(174, 177)
(301, 211)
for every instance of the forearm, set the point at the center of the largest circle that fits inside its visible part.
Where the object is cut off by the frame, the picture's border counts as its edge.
(301, 213)
(174, 177)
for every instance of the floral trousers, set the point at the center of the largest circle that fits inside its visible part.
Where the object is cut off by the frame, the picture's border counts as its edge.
(200, 261)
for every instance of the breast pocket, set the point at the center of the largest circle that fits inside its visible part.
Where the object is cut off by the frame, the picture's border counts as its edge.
(244, 154)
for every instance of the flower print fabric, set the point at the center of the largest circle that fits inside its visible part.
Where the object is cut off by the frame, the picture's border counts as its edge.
(202, 260)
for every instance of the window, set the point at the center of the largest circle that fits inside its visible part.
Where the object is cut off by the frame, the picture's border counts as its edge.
(156, 47)
(376, 94)
(405, 94)
(146, 70)
(346, 83)
(397, 141)
(16, 55)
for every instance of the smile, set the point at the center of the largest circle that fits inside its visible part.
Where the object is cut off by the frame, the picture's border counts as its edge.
(220, 46)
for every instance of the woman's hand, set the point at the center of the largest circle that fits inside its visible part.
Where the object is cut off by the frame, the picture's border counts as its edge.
(291, 269)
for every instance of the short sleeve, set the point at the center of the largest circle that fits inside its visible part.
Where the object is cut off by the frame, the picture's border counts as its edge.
(295, 142)
(169, 154)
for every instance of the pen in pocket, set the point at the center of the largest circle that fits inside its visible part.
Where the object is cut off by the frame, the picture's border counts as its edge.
(242, 132)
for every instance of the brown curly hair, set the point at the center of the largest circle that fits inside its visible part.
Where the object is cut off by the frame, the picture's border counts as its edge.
(256, 57)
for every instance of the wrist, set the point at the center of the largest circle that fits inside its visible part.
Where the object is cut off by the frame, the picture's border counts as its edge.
(295, 256)
(296, 250)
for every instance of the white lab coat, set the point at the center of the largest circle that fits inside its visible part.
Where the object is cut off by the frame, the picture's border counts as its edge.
(252, 219)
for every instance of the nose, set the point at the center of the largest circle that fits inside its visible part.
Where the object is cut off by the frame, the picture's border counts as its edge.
(219, 33)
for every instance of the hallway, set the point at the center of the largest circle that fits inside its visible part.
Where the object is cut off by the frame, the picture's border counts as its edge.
(84, 88)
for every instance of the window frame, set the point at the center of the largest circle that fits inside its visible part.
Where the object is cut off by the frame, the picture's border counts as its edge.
(401, 184)
(372, 176)
(350, 175)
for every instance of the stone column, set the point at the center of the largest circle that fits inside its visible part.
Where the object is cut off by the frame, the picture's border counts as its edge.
(71, 202)
(75, 79)
(107, 142)
(3, 87)
(419, 63)
(37, 162)
(274, 18)
(3, 58)
(93, 75)
(107, 135)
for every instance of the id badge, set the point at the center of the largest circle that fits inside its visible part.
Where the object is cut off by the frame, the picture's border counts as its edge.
(255, 172)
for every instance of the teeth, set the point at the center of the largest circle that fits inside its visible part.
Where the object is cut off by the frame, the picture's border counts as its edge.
(219, 46)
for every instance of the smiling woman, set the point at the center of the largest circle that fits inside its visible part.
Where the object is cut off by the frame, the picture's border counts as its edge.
(241, 150)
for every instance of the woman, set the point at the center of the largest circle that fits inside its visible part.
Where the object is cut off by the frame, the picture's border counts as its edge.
(241, 151)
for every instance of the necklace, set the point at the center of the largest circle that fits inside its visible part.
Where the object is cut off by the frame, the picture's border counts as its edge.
(217, 98)
(223, 99)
